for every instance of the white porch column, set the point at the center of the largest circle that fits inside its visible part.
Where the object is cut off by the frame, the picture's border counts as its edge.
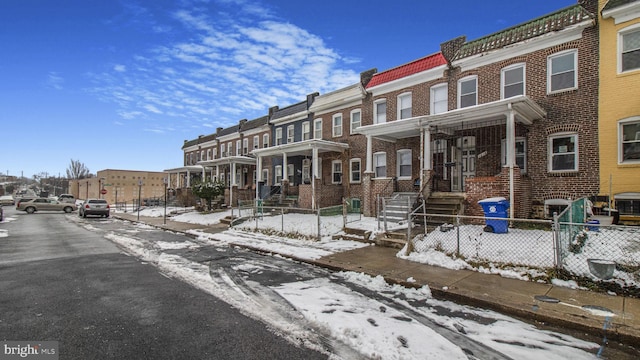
(369, 164)
(426, 157)
(511, 156)
(314, 166)
(285, 175)
(218, 172)
(258, 175)
(234, 180)
(188, 178)
(204, 173)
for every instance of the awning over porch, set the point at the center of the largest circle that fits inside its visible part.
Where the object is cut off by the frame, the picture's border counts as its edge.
(184, 170)
(525, 111)
(239, 160)
(302, 148)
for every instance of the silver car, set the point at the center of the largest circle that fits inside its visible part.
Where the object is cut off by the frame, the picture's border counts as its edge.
(44, 204)
(94, 207)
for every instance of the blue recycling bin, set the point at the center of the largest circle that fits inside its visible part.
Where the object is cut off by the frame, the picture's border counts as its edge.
(496, 208)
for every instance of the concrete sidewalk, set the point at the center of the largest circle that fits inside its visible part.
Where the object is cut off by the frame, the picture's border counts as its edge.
(577, 309)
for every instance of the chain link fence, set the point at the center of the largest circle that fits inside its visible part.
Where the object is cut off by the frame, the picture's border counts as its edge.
(571, 246)
(291, 221)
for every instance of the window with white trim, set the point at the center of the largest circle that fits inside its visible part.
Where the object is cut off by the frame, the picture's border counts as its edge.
(278, 136)
(512, 79)
(306, 130)
(337, 125)
(380, 164)
(277, 170)
(229, 149)
(223, 150)
(404, 164)
(209, 154)
(215, 152)
(265, 176)
(629, 49)
(336, 172)
(521, 153)
(629, 141)
(355, 120)
(256, 142)
(265, 140)
(404, 106)
(238, 148)
(317, 129)
(563, 152)
(290, 134)
(468, 92)
(439, 99)
(380, 111)
(562, 71)
(245, 146)
(355, 170)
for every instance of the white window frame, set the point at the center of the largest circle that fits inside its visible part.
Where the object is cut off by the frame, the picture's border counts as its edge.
(245, 146)
(399, 164)
(433, 102)
(377, 118)
(336, 171)
(209, 154)
(336, 125)
(317, 129)
(277, 173)
(575, 152)
(626, 31)
(215, 152)
(503, 79)
(634, 141)
(550, 73)
(375, 158)
(306, 130)
(522, 156)
(265, 140)
(291, 134)
(238, 147)
(353, 125)
(265, 176)
(229, 148)
(256, 142)
(358, 173)
(278, 136)
(475, 92)
(223, 150)
(402, 99)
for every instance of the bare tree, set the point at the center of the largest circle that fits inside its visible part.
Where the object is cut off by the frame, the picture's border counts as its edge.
(77, 170)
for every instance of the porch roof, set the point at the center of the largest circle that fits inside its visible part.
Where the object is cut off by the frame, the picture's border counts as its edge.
(302, 148)
(526, 112)
(242, 160)
(184, 169)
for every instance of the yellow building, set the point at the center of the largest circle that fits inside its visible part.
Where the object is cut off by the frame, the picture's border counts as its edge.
(120, 186)
(619, 106)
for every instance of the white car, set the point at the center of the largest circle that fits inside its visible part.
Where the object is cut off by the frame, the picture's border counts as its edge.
(7, 200)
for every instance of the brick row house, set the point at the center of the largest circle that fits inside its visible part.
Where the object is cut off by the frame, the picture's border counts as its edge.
(512, 114)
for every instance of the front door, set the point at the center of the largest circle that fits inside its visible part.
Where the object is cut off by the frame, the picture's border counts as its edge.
(463, 156)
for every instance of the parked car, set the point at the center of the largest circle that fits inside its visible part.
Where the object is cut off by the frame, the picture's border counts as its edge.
(1, 213)
(94, 207)
(44, 204)
(7, 200)
(68, 198)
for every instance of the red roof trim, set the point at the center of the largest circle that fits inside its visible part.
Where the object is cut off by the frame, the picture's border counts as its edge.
(414, 67)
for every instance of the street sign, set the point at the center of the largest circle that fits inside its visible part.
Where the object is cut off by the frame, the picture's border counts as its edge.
(103, 191)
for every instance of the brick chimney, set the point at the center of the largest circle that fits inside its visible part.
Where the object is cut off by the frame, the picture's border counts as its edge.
(451, 47)
(366, 76)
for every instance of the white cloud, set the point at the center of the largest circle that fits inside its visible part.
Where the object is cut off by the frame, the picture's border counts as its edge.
(234, 59)
(54, 80)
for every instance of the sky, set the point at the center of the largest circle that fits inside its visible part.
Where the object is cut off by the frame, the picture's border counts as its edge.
(121, 84)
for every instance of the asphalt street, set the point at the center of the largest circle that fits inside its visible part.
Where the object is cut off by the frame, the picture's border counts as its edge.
(60, 282)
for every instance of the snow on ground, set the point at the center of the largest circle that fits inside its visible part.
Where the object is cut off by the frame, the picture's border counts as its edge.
(364, 324)
(287, 234)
